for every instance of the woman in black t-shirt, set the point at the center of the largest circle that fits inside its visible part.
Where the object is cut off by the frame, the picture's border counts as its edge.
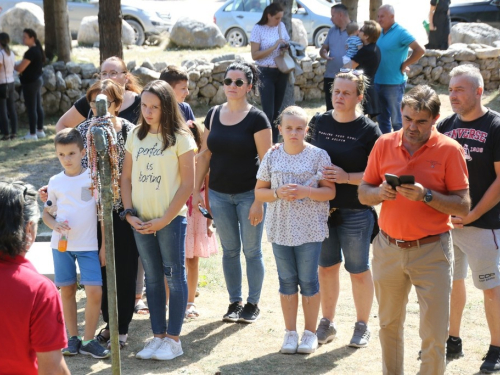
(368, 59)
(348, 138)
(115, 69)
(30, 69)
(236, 137)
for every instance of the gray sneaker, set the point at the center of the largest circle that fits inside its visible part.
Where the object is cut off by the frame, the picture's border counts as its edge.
(95, 350)
(326, 331)
(74, 344)
(361, 336)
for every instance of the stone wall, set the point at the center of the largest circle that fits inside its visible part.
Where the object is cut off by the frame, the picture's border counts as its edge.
(65, 83)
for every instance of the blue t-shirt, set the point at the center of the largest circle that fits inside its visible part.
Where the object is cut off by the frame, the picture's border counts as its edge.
(393, 47)
(335, 40)
(186, 111)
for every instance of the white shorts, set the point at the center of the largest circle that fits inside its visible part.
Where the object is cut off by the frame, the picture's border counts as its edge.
(478, 248)
(346, 59)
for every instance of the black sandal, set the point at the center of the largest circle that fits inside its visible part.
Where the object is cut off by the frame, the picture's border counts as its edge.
(122, 344)
(101, 338)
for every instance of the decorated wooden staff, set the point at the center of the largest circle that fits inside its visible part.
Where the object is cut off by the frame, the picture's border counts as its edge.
(103, 163)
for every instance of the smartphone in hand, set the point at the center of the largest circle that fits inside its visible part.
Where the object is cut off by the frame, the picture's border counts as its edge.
(205, 213)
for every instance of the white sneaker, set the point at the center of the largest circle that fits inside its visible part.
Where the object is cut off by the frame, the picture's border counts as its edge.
(30, 137)
(150, 348)
(169, 349)
(40, 134)
(290, 342)
(308, 344)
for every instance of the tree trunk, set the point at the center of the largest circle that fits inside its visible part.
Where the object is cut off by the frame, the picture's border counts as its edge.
(374, 5)
(352, 8)
(50, 30)
(61, 22)
(110, 29)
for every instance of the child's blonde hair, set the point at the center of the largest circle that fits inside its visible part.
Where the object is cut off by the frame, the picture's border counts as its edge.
(293, 110)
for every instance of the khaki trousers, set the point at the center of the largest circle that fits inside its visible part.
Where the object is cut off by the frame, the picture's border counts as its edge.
(429, 268)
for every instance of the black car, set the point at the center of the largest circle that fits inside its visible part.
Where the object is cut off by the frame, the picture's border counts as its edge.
(476, 11)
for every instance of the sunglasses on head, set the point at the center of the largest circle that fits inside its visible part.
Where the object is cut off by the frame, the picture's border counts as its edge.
(238, 82)
(353, 71)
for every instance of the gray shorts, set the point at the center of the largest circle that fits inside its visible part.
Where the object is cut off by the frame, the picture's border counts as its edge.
(478, 248)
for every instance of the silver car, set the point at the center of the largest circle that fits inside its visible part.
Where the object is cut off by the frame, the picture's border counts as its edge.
(148, 18)
(236, 18)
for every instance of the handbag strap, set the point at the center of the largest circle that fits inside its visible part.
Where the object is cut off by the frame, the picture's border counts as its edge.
(212, 117)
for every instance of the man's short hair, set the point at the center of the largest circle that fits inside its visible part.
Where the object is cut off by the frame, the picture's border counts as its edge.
(341, 8)
(471, 72)
(387, 7)
(422, 98)
(173, 75)
(69, 136)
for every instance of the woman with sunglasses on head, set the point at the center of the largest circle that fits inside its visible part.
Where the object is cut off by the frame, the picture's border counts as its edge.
(30, 70)
(267, 39)
(368, 59)
(115, 69)
(126, 250)
(7, 99)
(236, 137)
(348, 137)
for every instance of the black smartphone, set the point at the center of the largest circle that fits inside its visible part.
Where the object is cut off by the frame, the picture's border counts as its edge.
(205, 213)
(407, 179)
(392, 180)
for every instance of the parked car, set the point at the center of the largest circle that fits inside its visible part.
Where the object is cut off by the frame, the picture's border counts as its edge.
(148, 18)
(236, 18)
(476, 11)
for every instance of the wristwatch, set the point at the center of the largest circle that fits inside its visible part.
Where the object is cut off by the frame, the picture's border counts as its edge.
(428, 196)
(124, 213)
(275, 193)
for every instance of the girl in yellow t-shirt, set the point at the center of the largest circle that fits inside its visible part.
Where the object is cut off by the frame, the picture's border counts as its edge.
(157, 180)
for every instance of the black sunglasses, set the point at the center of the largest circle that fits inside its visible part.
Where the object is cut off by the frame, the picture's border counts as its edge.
(238, 82)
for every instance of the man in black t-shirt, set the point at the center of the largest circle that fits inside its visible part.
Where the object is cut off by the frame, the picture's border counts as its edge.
(476, 237)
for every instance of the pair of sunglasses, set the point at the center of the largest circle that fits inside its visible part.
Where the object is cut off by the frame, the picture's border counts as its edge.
(238, 82)
(353, 71)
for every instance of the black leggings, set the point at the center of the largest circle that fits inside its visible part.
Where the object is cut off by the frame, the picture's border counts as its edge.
(32, 93)
(126, 270)
(8, 112)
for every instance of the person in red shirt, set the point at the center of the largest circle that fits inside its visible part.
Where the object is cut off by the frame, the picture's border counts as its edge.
(414, 246)
(32, 324)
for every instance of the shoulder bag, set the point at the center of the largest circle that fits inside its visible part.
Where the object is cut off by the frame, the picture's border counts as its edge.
(284, 61)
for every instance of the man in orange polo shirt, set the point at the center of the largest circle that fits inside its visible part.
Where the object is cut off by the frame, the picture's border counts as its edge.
(414, 246)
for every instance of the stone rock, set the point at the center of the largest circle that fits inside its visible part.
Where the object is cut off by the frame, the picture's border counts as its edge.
(86, 83)
(159, 66)
(73, 94)
(307, 66)
(88, 70)
(486, 75)
(50, 102)
(474, 46)
(188, 32)
(202, 82)
(458, 46)
(487, 53)
(495, 75)
(192, 85)
(194, 93)
(419, 80)
(147, 64)
(73, 67)
(474, 33)
(65, 103)
(194, 75)
(496, 43)
(300, 80)
(225, 57)
(221, 67)
(217, 84)
(299, 32)
(427, 71)
(448, 67)
(465, 55)
(447, 59)
(73, 81)
(309, 75)
(131, 65)
(489, 64)
(219, 77)
(43, 90)
(219, 98)
(88, 32)
(313, 94)
(49, 79)
(444, 79)
(208, 91)
(424, 61)
(433, 53)
(59, 66)
(320, 70)
(436, 73)
(415, 70)
(298, 95)
(494, 85)
(60, 82)
(473, 63)
(145, 75)
(22, 16)
(432, 61)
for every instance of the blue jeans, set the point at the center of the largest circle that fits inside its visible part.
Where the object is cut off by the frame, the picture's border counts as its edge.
(230, 213)
(352, 239)
(163, 255)
(298, 265)
(272, 92)
(390, 97)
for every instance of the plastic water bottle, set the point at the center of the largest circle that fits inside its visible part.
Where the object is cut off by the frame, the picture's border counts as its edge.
(313, 181)
(51, 208)
(62, 245)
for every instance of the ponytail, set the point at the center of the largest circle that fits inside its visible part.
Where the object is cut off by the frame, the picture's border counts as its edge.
(32, 34)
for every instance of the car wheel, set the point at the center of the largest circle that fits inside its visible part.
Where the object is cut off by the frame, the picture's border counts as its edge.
(140, 38)
(320, 37)
(236, 37)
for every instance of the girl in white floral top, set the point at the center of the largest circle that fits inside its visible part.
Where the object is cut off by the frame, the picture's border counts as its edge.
(290, 179)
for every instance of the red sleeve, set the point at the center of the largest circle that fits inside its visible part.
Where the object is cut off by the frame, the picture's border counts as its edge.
(456, 177)
(47, 330)
(372, 172)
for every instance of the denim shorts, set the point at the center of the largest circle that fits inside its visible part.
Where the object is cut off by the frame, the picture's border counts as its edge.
(298, 265)
(65, 267)
(351, 240)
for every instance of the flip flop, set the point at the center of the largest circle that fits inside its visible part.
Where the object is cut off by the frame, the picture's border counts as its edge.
(141, 308)
(122, 344)
(191, 311)
(101, 338)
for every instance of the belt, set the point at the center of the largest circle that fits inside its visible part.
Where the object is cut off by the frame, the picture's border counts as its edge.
(416, 243)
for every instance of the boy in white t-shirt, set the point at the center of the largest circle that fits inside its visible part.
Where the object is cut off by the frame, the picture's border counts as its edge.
(69, 191)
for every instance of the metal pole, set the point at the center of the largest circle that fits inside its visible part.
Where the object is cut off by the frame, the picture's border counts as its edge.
(107, 212)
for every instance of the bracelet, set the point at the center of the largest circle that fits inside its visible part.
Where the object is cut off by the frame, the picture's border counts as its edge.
(124, 213)
(348, 178)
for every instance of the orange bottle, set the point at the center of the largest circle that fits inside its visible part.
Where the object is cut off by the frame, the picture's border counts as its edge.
(62, 245)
